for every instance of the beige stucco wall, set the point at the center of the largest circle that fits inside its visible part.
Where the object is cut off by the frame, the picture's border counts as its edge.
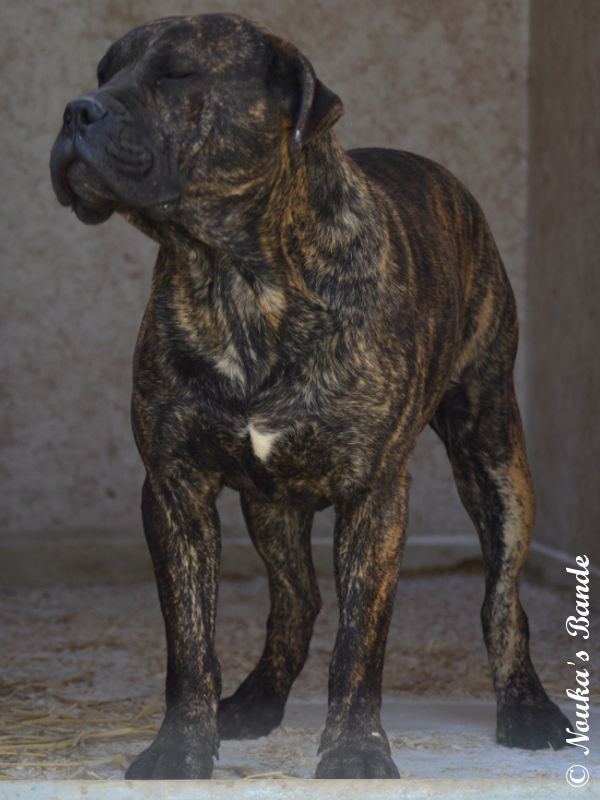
(446, 78)
(564, 273)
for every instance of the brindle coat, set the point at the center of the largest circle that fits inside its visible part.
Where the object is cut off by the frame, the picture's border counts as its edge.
(311, 311)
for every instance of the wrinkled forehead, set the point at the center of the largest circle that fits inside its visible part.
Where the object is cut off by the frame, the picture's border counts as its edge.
(219, 41)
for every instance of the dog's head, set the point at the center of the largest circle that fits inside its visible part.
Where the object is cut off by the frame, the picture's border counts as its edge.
(198, 109)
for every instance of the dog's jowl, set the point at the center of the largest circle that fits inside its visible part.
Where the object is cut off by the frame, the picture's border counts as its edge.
(311, 311)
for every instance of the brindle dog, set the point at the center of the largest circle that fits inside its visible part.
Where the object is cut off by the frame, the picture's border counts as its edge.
(311, 311)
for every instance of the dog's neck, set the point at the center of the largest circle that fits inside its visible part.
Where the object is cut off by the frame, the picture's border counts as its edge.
(332, 236)
(302, 233)
(301, 260)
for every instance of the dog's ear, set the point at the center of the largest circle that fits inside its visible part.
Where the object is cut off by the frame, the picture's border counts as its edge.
(312, 107)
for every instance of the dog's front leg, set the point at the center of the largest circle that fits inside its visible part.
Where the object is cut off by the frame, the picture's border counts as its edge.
(281, 535)
(368, 540)
(182, 531)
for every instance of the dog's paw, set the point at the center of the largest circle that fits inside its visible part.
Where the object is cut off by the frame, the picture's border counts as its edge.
(354, 761)
(247, 717)
(161, 763)
(531, 725)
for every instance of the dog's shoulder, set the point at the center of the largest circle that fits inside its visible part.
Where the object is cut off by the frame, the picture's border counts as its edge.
(412, 179)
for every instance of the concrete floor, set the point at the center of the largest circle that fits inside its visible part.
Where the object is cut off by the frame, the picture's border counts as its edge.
(82, 672)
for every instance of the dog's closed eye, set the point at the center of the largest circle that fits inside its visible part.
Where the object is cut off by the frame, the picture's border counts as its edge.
(175, 78)
(174, 75)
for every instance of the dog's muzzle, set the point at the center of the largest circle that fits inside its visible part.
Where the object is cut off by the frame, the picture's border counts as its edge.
(101, 161)
(75, 182)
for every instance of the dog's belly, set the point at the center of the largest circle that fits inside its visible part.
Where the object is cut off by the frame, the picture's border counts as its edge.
(254, 479)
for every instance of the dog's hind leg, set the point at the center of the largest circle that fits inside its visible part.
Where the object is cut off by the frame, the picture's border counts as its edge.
(479, 423)
(281, 535)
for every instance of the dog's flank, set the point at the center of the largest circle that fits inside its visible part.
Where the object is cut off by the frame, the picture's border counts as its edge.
(311, 311)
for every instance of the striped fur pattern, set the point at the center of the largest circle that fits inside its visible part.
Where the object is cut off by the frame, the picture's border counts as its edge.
(311, 311)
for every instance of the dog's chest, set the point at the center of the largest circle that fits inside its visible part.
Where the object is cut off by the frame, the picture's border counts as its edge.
(258, 389)
(294, 445)
(302, 460)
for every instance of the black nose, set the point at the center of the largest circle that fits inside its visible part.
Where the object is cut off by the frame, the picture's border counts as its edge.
(82, 113)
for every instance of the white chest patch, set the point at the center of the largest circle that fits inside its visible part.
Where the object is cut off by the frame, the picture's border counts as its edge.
(262, 441)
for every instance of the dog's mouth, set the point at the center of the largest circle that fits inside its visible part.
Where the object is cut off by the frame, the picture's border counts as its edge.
(90, 198)
(79, 185)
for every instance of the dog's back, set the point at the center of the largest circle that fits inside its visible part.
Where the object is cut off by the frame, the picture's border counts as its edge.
(440, 235)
